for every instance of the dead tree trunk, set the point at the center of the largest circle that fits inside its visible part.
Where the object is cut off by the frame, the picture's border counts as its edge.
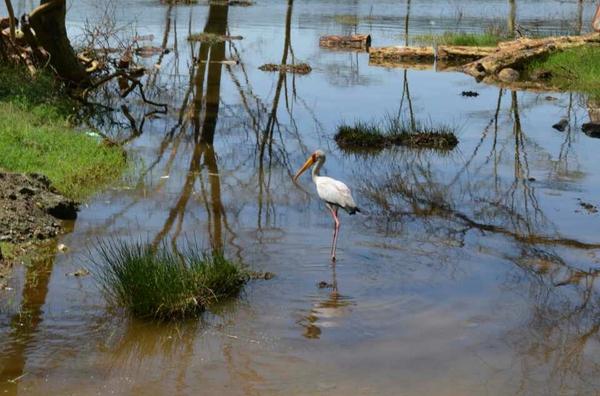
(48, 24)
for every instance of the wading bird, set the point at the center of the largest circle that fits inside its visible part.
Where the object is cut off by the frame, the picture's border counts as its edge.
(335, 193)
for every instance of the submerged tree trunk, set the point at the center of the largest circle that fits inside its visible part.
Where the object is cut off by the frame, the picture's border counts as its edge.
(48, 23)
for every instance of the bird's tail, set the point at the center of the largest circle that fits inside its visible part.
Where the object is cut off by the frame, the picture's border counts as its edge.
(354, 210)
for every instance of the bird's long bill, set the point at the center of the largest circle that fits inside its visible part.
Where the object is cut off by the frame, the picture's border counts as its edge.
(306, 165)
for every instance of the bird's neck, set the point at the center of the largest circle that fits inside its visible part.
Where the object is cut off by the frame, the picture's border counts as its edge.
(317, 168)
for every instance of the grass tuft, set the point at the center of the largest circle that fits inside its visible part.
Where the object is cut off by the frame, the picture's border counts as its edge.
(162, 284)
(574, 69)
(212, 38)
(486, 39)
(365, 137)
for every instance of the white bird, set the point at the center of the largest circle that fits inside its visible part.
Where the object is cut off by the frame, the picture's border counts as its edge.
(335, 193)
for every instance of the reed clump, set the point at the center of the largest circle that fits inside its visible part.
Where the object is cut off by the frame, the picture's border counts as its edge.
(373, 136)
(163, 284)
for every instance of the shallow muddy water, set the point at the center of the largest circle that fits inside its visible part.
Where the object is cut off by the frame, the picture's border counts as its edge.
(470, 272)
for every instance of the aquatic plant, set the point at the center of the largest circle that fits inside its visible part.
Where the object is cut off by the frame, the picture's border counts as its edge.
(211, 38)
(299, 68)
(346, 19)
(486, 39)
(573, 69)
(373, 136)
(164, 284)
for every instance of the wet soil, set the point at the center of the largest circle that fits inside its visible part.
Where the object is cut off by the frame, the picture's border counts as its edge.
(31, 209)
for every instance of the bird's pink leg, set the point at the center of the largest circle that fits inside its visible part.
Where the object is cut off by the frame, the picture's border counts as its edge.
(336, 229)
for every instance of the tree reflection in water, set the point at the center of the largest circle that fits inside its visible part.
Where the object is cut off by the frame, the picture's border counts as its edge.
(469, 206)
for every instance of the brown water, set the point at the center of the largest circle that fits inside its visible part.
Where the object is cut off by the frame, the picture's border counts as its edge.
(469, 273)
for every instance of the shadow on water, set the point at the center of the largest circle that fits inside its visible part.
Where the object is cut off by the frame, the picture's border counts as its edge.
(325, 312)
(24, 324)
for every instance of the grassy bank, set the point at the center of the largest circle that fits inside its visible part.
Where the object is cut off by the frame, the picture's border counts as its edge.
(487, 39)
(372, 136)
(36, 135)
(163, 284)
(574, 69)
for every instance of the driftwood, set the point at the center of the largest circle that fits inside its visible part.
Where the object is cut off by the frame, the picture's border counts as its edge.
(402, 54)
(447, 53)
(356, 41)
(514, 54)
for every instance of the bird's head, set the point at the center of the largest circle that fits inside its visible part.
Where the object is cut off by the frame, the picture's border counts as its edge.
(314, 157)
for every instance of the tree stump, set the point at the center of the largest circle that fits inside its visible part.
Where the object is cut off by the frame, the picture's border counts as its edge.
(48, 24)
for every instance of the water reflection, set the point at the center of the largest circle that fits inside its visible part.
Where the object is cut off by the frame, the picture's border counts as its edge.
(24, 324)
(326, 313)
(447, 237)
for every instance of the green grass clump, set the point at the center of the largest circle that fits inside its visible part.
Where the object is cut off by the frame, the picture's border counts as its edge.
(159, 283)
(346, 19)
(486, 39)
(574, 69)
(37, 136)
(211, 38)
(395, 131)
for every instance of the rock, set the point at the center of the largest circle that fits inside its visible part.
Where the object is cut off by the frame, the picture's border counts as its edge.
(324, 285)
(591, 129)
(79, 272)
(469, 94)
(561, 125)
(541, 75)
(508, 75)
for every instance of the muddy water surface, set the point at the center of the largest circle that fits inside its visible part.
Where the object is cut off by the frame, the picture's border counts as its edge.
(470, 272)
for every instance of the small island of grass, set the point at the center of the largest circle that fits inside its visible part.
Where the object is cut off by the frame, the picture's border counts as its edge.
(159, 283)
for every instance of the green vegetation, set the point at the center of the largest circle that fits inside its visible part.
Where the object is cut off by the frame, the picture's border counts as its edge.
(574, 69)
(346, 19)
(211, 38)
(160, 283)
(36, 136)
(486, 39)
(374, 137)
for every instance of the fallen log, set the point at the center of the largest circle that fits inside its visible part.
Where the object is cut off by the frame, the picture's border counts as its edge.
(402, 54)
(356, 41)
(447, 53)
(514, 54)
(462, 53)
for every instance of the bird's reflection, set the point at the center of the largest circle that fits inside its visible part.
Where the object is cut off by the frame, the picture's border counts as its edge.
(324, 313)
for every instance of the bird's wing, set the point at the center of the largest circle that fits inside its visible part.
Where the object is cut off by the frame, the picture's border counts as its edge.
(334, 191)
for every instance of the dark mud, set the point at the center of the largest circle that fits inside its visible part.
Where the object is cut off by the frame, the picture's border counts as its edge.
(31, 209)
